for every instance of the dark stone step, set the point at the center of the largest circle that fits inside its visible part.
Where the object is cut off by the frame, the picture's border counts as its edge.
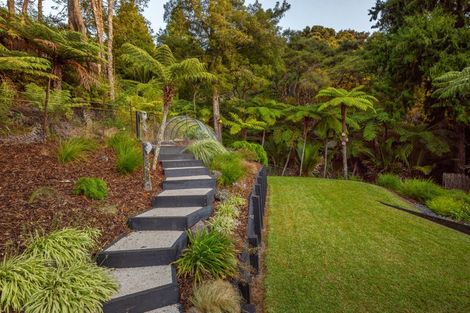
(184, 198)
(143, 248)
(181, 163)
(171, 149)
(183, 182)
(175, 156)
(186, 171)
(180, 218)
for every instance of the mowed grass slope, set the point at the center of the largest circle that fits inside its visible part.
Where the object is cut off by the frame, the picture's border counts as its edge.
(333, 248)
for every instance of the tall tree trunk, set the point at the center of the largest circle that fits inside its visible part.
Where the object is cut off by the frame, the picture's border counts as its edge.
(216, 113)
(46, 105)
(287, 161)
(264, 137)
(76, 22)
(24, 8)
(11, 6)
(110, 50)
(167, 99)
(344, 140)
(303, 148)
(325, 157)
(40, 11)
(462, 158)
(97, 8)
(57, 71)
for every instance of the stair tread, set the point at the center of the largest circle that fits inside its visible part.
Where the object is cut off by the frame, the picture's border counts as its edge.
(185, 168)
(168, 309)
(185, 192)
(146, 240)
(135, 279)
(194, 177)
(170, 212)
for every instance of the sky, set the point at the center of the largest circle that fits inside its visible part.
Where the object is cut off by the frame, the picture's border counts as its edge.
(337, 14)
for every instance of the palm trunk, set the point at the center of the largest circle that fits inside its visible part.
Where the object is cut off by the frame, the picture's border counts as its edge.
(325, 158)
(57, 71)
(216, 113)
(75, 17)
(110, 51)
(344, 140)
(97, 8)
(167, 99)
(40, 11)
(11, 6)
(287, 161)
(461, 148)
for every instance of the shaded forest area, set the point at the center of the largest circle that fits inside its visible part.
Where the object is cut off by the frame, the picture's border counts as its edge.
(321, 102)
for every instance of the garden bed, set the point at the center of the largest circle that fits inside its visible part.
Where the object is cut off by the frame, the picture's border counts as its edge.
(34, 169)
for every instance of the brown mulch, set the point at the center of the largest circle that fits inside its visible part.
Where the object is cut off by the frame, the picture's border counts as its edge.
(26, 168)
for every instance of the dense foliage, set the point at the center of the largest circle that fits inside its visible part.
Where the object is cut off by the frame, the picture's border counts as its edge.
(92, 188)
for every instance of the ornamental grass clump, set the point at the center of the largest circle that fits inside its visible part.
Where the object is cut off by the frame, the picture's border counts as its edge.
(92, 188)
(209, 254)
(65, 247)
(206, 150)
(216, 296)
(450, 207)
(75, 149)
(128, 152)
(389, 181)
(421, 190)
(231, 167)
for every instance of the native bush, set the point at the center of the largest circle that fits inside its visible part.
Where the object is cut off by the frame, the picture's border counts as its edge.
(450, 207)
(216, 296)
(257, 149)
(65, 247)
(80, 287)
(20, 278)
(59, 100)
(92, 188)
(206, 150)
(209, 254)
(389, 181)
(7, 94)
(128, 152)
(74, 149)
(231, 167)
(421, 190)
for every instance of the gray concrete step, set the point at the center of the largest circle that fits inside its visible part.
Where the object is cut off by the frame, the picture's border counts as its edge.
(175, 156)
(181, 163)
(143, 289)
(171, 149)
(187, 182)
(186, 171)
(168, 309)
(179, 218)
(143, 248)
(184, 197)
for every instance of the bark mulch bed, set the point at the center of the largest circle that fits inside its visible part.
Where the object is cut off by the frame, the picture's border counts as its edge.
(27, 169)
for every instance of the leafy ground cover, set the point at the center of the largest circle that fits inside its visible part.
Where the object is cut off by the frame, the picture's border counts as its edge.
(333, 248)
(36, 194)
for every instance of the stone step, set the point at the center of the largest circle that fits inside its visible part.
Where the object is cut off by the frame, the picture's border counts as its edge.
(179, 218)
(184, 197)
(143, 248)
(171, 149)
(181, 163)
(142, 289)
(185, 182)
(176, 156)
(186, 171)
(168, 309)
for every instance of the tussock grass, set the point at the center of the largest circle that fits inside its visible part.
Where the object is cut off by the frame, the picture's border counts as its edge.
(92, 188)
(231, 167)
(128, 152)
(216, 296)
(74, 149)
(206, 150)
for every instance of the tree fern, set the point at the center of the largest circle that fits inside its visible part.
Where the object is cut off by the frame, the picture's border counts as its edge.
(453, 83)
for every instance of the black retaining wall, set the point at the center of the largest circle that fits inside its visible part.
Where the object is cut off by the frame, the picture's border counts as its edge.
(250, 257)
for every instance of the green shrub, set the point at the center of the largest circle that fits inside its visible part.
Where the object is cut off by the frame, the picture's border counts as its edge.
(216, 296)
(421, 190)
(389, 181)
(228, 209)
(65, 247)
(257, 149)
(92, 188)
(20, 278)
(224, 224)
(74, 149)
(231, 167)
(128, 152)
(235, 200)
(206, 150)
(7, 94)
(450, 207)
(208, 254)
(81, 287)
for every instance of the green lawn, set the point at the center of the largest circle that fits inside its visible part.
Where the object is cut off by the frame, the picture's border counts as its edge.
(333, 248)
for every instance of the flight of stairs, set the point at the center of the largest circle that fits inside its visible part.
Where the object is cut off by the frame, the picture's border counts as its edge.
(141, 261)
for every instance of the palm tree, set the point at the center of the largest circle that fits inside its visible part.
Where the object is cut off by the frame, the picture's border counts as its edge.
(170, 73)
(354, 99)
